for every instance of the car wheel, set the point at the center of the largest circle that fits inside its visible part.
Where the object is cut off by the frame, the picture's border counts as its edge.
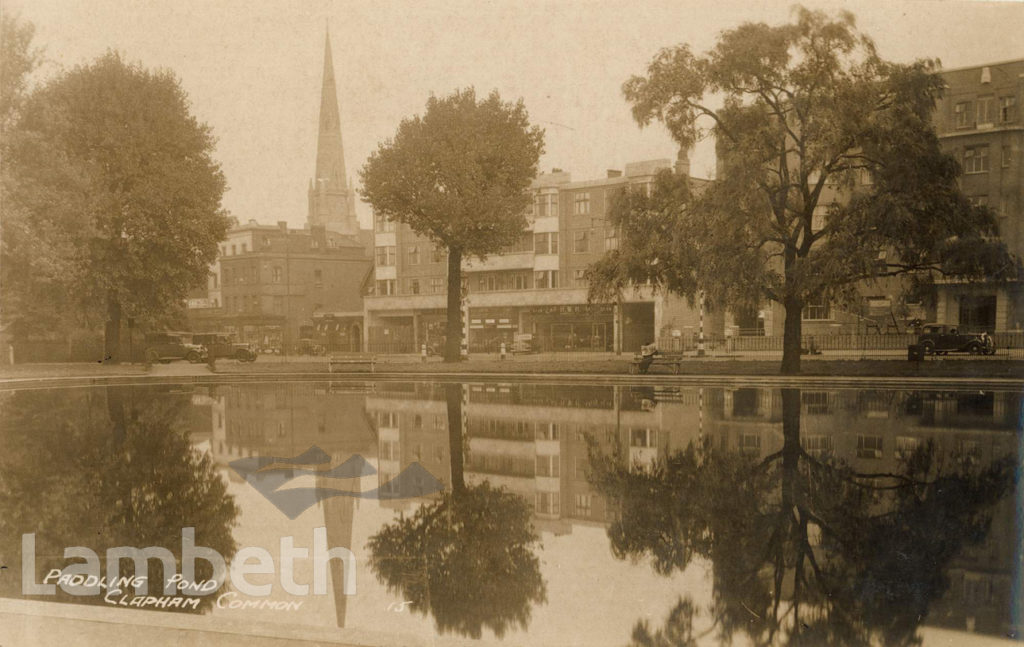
(192, 357)
(241, 356)
(152, 356)
(927, 348)
(974, 349)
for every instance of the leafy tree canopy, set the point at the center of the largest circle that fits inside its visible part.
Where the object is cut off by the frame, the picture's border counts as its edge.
(830, 173)
(458, 175)
(114, 202)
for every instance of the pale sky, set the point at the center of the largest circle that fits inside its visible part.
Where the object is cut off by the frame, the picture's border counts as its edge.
(252, 68)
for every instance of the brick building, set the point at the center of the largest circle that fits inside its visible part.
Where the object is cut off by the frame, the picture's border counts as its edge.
(979, 123)
(535, 289)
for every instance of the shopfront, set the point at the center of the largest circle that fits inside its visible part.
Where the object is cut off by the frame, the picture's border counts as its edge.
(579, 327)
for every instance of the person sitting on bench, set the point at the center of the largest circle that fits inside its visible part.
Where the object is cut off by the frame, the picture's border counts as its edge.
(647, 353)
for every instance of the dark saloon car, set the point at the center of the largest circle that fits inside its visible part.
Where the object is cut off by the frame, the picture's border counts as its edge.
(165, 347)
(941, 339)
(222, 345)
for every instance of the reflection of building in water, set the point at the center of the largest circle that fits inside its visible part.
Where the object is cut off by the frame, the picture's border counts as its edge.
(285, 421)
(532, 439)
(873, 431)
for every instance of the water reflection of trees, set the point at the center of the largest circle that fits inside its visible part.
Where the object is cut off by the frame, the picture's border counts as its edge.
(103, 468)
(468, 559)
(803, 550)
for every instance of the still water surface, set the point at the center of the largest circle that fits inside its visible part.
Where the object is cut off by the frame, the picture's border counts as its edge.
(534, 514)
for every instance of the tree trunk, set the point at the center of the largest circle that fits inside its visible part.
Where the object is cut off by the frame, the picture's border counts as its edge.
(453, 341)
(456, 449)
(791, 336)
(112, 332)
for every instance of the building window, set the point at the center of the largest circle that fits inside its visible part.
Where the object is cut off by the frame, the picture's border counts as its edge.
(540, 206)
(266, 241)
(643, 438)
(386, 255)
(579, 468)
(318, 278)
(869, 446)
(815, 402)
(546, 243)
(611, 239)
(523, 244)
(546, 502)
(818, 445)
(984, 110)
(234, 250)
(1007, 156)
(214, 280)
(976, 159)
(414, 255)
(582, 505)
(906, 446)
(385, 287)
(1007, 109)
(580, 242)
(978, 200)
(437, 253)
(546, 279)
(547, 466)
(816, 310)
(278, 275)
(278, 305)
(581, 203)
(382, 225)
(962, 113)
(436, 285)
(414, 286)
(255, 303)
(579, 278)
(519, 281)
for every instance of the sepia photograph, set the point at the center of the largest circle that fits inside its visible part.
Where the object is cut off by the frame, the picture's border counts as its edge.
(535, 323)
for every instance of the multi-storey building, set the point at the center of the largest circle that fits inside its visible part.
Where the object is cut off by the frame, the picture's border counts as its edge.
(536, 289)
(270, 282)
(979, 122)
(273, 280)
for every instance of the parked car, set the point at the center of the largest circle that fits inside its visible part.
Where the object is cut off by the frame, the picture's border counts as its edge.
(165, 347)
(941, 339)
(220, 344)
(307, 346)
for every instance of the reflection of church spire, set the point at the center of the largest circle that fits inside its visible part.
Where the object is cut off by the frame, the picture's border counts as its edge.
(331, 202)
(339, 518)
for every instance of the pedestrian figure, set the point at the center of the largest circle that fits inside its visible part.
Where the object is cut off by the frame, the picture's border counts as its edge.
(647, 353)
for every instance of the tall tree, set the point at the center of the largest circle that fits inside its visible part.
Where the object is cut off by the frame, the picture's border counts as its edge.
(459, 176)
(115, 211)
(830, 174)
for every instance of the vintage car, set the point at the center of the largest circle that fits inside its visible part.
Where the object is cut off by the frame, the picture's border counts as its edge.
(221, 344)
(941, 339)
(164, 347)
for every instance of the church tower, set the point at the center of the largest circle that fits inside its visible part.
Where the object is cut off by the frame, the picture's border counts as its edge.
(331, 200)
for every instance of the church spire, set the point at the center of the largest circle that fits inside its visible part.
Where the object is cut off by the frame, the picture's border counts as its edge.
(329, 200)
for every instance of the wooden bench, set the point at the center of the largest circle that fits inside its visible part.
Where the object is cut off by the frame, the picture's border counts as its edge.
(337, 360)
(672, 360)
